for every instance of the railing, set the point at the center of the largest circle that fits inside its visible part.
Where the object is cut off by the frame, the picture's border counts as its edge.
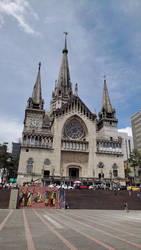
(75, 145)
(109, 150)
(37, 145)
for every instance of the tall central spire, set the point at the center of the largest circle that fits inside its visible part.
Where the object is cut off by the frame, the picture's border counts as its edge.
(63, 87)
(64, 84)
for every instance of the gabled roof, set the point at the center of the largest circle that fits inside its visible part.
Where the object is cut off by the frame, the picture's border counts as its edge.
(74, 103)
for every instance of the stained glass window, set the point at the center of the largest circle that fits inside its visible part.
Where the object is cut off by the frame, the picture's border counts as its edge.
(74, 129)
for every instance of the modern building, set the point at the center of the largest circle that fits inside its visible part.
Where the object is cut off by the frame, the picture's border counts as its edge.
(127, 145)
(69, 142)
(136, 130)
(16, 150)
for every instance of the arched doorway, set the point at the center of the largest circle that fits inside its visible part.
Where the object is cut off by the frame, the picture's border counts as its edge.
(74, 172)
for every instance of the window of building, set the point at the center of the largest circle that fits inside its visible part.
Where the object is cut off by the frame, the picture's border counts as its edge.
(74, 129)
(46, 173)
(100, 165)
(115, 172)
(139, 172)
(47, 162)
(29, 167)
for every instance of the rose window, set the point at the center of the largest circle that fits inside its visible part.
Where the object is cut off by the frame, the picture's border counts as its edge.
(74, 129)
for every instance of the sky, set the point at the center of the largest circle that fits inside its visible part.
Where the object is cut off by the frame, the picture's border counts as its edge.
(104, 39)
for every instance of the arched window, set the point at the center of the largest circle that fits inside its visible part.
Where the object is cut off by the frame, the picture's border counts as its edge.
(115, 171)
(100, 165)
(29, 167)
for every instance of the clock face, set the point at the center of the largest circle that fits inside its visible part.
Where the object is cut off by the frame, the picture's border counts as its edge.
(34, 123)
(74, 129)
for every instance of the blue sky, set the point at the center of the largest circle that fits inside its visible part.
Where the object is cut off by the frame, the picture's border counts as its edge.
(104, 39)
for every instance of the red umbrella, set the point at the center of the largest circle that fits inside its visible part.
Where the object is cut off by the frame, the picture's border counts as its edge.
(77, 182)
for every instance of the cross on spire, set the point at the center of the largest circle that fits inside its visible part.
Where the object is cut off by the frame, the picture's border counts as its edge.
(66, 33)
(39, 65)
(65, 47)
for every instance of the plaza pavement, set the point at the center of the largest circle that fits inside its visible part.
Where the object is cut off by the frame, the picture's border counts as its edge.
(39, 229)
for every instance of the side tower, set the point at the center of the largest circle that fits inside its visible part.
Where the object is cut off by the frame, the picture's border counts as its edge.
(109, 145)
(107, 122)
(36, 136)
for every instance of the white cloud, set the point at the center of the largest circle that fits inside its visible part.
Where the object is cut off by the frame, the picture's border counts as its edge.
(130, 7)
(1, 21)
(18, 9)
(127, 130)
(10, 130)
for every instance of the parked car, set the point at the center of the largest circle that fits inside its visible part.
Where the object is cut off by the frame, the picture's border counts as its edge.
(122, 187)
(64, 186)
(83, 187)
(91, 187)
(133, 188)
(51, 185)
(70, 187)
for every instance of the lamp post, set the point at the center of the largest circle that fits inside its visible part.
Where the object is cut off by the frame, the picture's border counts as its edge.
(61, 172)
(102, 175)
(110, 175)
(93, 176)
(53, 171)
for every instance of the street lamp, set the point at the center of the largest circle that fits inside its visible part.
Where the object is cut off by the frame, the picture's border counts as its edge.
(53, 171)
(61, 172)
(110, 175)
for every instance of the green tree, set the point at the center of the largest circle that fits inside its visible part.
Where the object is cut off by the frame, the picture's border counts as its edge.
(8, 165)
(135, 161)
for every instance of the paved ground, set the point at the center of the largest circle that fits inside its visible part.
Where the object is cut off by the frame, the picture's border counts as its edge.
(69, 229)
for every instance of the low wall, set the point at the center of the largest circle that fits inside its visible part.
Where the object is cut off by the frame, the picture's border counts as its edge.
(4, 198)
(101, 199)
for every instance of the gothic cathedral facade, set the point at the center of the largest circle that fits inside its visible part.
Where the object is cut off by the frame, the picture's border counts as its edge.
(69, 142)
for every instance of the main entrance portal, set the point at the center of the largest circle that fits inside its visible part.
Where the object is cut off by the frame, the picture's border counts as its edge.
(74, 172)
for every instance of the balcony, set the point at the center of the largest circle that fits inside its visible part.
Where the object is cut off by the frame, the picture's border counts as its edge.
(37, 145)
(75, 145)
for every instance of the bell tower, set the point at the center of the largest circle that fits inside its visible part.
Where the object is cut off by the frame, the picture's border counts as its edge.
(34, 112)
(107, 119)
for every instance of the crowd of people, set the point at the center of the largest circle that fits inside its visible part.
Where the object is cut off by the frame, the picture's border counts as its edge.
(8, 185)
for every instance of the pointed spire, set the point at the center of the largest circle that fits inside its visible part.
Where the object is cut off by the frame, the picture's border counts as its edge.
(64, 84)
(36, 101)
(106, 104)
(107, 115)
(65, 47)
(36, 94)
(76, 90)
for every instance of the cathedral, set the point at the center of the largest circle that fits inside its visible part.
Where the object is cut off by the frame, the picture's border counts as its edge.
(69, 142)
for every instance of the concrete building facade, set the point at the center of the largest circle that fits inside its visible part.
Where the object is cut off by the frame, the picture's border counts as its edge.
(127, 145)
(69, 142)
(136, 130)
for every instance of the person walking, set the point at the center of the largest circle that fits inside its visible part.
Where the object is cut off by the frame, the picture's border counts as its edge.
(126, 206)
